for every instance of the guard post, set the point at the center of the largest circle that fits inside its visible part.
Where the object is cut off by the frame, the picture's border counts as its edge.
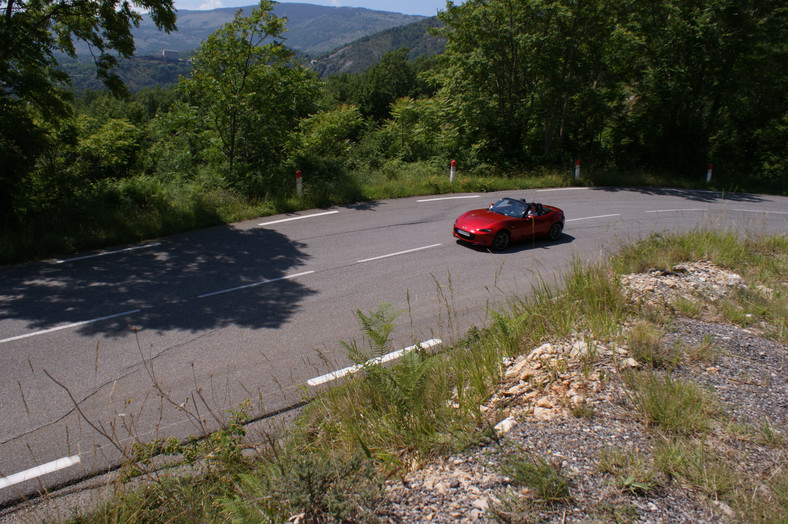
(452, 171)
(299, 183)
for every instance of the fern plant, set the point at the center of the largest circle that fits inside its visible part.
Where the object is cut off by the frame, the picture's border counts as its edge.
(376, 328)
(400, 388)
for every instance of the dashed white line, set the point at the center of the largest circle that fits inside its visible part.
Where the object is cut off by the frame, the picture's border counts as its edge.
(560, 189)
(105, 253)
(334, 375)
(593, 218)
(448, 198)
(68, 326)
(301, 217)
(38, 471)
(254, 284)
(398, 253)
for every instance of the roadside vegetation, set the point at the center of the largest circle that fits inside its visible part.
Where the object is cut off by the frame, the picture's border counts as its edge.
(331, 463)
(646, 94)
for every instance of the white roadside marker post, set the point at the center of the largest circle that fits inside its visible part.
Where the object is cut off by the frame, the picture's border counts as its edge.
(299, 183)
(452, 171)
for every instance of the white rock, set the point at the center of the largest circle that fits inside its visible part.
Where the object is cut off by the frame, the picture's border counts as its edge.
(505, 425)
(543, 414)
(481, 503)
(579, 349)
(545, 348)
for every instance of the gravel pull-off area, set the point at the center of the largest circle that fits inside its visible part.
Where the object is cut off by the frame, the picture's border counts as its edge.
(565, 403)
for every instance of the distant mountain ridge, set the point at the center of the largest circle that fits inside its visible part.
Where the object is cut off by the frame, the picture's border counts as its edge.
(332, 40)
(311, 29)
(359, 55)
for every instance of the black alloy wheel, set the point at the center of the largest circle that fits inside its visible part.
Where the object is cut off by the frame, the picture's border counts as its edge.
(501, 240)
(555, 231)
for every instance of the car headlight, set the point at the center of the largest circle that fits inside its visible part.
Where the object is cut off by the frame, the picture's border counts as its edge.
(487, 230)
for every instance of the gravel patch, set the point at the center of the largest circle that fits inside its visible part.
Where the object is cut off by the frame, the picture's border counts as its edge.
(572, 417)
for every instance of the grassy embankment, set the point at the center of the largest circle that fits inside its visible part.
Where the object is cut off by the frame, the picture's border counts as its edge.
(331, 462)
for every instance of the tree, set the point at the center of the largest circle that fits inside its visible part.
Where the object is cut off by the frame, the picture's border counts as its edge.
(516, 72)
(40, 28)
(707, 81)
(249, 90)
(391, 78)
(33, 97)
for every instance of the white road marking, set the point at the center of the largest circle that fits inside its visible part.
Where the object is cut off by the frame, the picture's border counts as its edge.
(297, 218)
(38, 471)
(379, 360)
(68, 326)
(398, 253)
(761, 211)
(447, 198)
(756, 211)
(701, 209)
(105, 253)
(253, 284)
(592, 218)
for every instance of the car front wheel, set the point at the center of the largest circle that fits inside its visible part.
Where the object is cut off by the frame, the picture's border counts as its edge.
(501, 240)
(555, 231)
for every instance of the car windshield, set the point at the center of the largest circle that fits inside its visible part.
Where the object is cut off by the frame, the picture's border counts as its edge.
(509, 207)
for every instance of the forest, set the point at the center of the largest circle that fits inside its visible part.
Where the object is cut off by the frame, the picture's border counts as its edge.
(523, 86)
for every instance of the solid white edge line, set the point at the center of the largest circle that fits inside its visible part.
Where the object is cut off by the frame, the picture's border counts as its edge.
(67, 326)
(334, 375)
(760, 211)
(297, 218)
(755, 211)
(592, 218)
(398, 253)
(253, 284)
(447, 198)
(104, 253)
(677, 210)
(38, 471)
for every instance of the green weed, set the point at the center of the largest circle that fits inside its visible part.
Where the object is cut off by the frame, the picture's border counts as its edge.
(645, 342)
(632, 471)
(543, 477)
(678, 406)
(698, 464)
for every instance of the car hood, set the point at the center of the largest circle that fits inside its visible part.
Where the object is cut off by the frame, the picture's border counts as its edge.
(479, 219)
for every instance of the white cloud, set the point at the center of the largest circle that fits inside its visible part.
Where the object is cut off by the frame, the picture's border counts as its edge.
(211, 4)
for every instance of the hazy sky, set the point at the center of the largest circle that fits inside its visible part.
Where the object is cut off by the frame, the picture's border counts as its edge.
(409, 7)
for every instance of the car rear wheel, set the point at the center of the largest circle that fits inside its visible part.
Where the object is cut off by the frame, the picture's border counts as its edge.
(555, 231)
(501, 240)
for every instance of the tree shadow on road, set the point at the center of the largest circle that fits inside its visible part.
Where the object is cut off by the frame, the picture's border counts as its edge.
(695, 195)
(169, 285)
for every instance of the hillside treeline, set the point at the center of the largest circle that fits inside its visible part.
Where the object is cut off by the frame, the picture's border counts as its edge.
(668, 85)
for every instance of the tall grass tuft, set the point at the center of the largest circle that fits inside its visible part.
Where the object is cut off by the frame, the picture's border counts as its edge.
(678, 406)
(385, 409)
(537, 473)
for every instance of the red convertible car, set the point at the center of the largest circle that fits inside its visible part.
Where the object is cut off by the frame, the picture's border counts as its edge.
(509, 220)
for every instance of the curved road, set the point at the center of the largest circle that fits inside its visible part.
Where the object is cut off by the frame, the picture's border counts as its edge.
(257, 309)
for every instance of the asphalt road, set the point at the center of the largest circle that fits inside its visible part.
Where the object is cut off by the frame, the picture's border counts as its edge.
(162, 338)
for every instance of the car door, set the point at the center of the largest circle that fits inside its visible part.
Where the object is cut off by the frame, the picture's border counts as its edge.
(540, 224)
